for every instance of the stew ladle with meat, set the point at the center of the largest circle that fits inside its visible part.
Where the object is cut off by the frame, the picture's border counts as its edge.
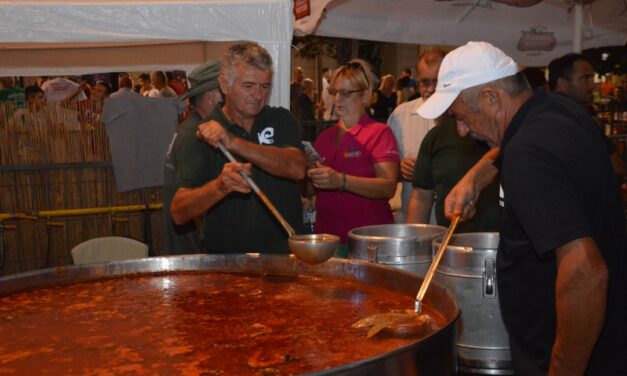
(309, 248)
(409, 323)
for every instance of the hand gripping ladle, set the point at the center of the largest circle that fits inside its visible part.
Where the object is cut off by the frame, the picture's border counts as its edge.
(309, 248)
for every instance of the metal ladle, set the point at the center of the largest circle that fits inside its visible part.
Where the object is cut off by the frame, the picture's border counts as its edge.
(309, 248)
(409, 323)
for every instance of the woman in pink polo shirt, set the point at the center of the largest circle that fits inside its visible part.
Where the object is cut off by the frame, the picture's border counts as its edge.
(358, 170)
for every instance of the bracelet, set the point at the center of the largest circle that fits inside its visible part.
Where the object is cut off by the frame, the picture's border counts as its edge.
(343, 187)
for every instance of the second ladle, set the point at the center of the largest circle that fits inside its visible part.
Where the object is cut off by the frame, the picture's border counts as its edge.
(409, 323)
(311, 248)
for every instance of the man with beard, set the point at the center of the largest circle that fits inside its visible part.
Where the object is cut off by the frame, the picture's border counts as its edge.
(266, 140)
(573, 76)
(562, 259)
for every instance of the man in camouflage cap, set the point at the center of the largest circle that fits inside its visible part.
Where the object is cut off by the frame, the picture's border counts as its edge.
(202, 97)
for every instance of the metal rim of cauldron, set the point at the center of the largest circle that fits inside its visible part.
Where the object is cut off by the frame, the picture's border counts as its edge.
(404, 282)
(406, 246)
(354, 233)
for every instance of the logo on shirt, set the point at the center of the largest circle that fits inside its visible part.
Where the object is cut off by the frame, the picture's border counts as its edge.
(266, 136)
(501, 196)
(352, 153)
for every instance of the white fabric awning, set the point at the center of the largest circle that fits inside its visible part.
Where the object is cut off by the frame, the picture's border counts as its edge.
(533, 32)
(96, 36)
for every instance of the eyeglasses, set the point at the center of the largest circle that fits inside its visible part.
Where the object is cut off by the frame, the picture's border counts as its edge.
(428, 82)
(343, 93)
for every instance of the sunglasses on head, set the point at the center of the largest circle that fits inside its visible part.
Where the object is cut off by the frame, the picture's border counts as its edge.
(355, 65)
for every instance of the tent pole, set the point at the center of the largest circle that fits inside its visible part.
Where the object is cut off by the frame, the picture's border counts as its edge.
(578, 27)
(354, 49)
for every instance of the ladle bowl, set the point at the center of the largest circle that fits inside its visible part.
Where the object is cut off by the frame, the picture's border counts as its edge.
(313, 248)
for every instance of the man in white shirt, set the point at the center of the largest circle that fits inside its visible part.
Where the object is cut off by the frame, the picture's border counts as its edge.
(326, 98)
(410, 128)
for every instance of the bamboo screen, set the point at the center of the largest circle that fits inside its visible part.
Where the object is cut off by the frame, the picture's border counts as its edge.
(57, 159)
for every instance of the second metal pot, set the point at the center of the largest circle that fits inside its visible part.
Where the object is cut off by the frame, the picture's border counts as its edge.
(468, 270)
(403, 246)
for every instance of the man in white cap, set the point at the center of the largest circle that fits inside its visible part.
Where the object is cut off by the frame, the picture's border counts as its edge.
(203, 96)
(562, 259)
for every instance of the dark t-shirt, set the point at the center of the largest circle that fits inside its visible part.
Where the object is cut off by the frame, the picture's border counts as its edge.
(443, 159)
(305, 108)
(241, 222)
(558, 186)
(295, 90)
(185, 238)
(10, 100)
(13, 95)
(383, 107)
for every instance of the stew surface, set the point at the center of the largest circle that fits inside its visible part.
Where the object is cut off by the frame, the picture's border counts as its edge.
(198, 323)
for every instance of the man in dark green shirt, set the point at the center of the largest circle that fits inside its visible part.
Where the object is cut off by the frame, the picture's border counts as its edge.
(203, 96)
(443, 159)
(11, 98)
(266, 140)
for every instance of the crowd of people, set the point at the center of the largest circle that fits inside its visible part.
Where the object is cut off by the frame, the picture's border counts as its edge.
(387, 94)
(41, 112)
(467, 137)
(18, 104)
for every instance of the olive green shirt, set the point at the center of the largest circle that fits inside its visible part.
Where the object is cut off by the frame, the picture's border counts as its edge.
(443, 159)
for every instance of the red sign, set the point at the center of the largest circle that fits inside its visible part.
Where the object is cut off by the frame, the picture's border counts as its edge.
(302, 9)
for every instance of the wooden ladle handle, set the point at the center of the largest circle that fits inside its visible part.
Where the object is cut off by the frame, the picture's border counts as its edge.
(288, 228)
(434, 264)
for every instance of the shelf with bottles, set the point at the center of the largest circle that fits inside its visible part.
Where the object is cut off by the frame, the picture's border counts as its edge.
(612, 123)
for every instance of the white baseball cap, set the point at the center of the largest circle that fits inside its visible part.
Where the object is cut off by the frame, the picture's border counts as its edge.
(470, 65)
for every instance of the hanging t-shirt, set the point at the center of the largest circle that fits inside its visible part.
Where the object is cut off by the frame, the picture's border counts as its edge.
(139, 129)
(60, 88)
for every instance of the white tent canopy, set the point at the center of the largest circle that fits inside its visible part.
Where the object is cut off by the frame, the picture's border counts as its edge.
(96, 36)
(533, 32)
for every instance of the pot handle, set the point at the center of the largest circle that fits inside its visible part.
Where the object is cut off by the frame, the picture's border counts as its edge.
(489, 277)
(371, 249)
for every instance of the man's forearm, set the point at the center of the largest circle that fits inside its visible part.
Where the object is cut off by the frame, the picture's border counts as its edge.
(419, 207)
(282, 162)
(463, 197)
(484, 172)
(581, 293)
(189, 203)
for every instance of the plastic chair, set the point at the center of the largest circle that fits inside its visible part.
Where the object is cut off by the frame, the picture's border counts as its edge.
(108, 248)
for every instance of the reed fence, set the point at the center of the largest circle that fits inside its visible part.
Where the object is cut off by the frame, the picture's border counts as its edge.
(57, 189)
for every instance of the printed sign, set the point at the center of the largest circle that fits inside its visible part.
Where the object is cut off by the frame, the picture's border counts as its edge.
(537, 38)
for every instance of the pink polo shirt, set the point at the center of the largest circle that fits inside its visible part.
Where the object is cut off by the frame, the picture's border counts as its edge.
(365, 144)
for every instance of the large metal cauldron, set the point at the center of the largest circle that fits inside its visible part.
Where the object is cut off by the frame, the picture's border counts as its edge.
(432, 355)
(468, 268)
(403, 246)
